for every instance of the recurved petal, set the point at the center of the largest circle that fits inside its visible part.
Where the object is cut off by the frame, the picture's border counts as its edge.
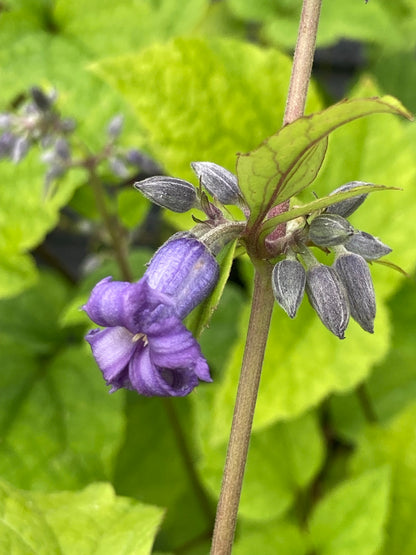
(112, 349)
(149, 380)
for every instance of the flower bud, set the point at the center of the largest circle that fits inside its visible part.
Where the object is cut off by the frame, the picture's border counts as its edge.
(175, 194)
(348, 206)
(42, 101)
(356, 278)
(20, 149)
(328, 230)
(142, 161)
(288, 283)
(328, 297)
(118, 167)
(366, 245)
(115, 126)
(219, 182)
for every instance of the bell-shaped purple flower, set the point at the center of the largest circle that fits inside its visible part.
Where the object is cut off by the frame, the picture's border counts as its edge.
(144, 344)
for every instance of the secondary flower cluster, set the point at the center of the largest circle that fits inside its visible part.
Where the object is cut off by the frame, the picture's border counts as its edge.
(338, 291)
(37, 121)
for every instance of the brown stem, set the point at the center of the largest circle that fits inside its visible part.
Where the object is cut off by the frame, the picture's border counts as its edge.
(258, 330)
(113, 227)
(302, 60)
(260, 317)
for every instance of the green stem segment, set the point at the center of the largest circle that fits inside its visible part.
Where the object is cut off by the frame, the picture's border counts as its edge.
(258, 330)
(261, 312)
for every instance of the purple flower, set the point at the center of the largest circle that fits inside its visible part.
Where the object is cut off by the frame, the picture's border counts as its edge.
(144, 344)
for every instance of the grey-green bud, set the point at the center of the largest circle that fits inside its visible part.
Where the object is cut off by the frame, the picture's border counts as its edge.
(328, 297)
(356, 278)
(327, 230)
(288, 283)
(366, 245)
(175, 194)
(348, 206)
(219, 182)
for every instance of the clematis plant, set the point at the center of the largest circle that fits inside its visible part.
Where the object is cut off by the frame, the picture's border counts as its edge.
(144, 344)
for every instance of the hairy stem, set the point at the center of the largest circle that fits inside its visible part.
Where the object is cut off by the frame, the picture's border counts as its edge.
(113, 227)
(261, 312)
(302, 60)
(258, 330)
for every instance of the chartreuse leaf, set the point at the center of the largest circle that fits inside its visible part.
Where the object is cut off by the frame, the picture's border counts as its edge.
(392, 385)
(232, 95)
(395, 446)
(289, 161)
(351, 519)
(93, 520)
(282, 460)
(268, 538)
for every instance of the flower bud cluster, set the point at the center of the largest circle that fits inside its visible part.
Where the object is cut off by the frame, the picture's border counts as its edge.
(338, 291)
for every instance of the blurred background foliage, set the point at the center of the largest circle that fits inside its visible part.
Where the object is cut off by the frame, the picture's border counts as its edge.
(332, 462)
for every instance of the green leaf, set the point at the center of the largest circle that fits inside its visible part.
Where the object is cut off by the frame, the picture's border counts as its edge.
(99, 521)
(289, 161)
(318, 204)
(102, 26)
(350, 520)
(395, 446)
(232, 95)
(201, 316)
(282, 460)
(383, 23)
(64, 399)
(281, 536)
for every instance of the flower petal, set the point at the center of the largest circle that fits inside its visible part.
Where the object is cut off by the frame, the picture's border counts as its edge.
(105, 306)
(173, 346)
(149, 380)
(112, 349)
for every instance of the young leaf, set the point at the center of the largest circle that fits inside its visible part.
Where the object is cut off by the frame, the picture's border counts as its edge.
(287, 162)
(350, 519)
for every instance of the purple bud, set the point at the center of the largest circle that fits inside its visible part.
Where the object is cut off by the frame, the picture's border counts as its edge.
(143, 162)
(62, 149)
(347, 207)
(7, 142)
(42, 101)
(20, 149)
(118, 167)
(356, 278)
(5, 121)
(328, 297)
(288, 283)
(328, 230)
(219, 182)
(366, 245)
(115, 126)
(175, 194)
(67, 125)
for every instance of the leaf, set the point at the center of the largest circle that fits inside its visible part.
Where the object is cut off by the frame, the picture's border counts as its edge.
(288, 161)
(289, 455)
(351, 519)
(59, 426)
(201, 316)
(395, 446)
(318, 204)
(232, 94)
(100, 522)
(384, 24)
(268, 538)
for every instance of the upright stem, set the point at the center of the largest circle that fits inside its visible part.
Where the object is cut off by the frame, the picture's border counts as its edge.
(258, 330)
(261, 313)
(113, 228)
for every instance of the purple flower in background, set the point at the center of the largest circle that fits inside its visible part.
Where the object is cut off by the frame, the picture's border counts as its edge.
(144, 345)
